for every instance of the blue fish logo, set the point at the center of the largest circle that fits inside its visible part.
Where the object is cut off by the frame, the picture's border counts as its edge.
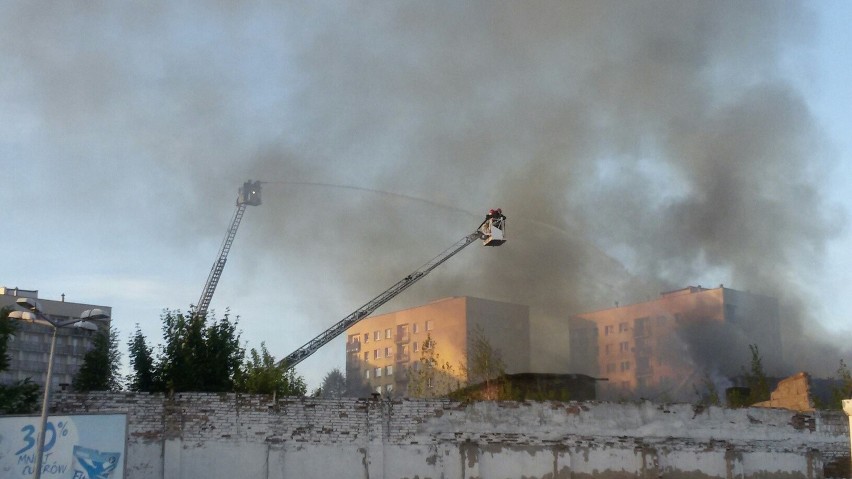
(95, 464)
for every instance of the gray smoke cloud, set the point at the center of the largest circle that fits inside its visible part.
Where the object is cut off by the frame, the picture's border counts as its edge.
(635, 147)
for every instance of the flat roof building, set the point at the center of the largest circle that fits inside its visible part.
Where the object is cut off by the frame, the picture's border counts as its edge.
(670, 347)
(29, 348)
(384, 353)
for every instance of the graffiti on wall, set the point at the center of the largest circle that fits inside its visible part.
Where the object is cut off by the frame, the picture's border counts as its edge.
(75, 447)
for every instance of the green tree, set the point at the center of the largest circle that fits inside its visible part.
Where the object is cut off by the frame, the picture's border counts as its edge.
(7, 330)
(430, 377)
(222, 356)
(708, 393)
(843, 390)
(333, 385)
(198, 357)
(101, 364)
(485, 364)
(261, 374)
(22, 396)
(756, 379)
(141, 355)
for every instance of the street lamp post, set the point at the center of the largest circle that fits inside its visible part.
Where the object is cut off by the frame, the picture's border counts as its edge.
(847, 408)
(36, 316)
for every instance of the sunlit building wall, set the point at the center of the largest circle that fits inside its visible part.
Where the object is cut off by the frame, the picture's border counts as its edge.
(382, 351)
(671, 347)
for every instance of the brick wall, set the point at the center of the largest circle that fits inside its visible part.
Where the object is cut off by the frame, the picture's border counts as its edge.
(792, 393)
(228, 435)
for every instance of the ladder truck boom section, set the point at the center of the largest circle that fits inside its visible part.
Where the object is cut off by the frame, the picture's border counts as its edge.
(248, 195)
(491, 232)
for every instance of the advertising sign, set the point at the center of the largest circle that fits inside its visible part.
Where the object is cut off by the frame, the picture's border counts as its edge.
(75, 447)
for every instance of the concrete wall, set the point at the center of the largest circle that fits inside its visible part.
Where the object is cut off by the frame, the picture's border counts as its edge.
(225, 436)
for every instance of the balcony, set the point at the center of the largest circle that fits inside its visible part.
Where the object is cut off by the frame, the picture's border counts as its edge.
(641, 333)
(403, 357)
(402, 337)
(353, 366)
(643, 352)
(353, 347)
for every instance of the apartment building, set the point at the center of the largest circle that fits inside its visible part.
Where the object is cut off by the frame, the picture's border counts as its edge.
(669, 347)
(29, 348)
(383, 352)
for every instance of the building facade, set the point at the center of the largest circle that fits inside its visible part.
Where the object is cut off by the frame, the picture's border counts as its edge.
(385, 353)
(676, 345)
(29, 348)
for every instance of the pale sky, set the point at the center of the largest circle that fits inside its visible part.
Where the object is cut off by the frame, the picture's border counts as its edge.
(634, 147)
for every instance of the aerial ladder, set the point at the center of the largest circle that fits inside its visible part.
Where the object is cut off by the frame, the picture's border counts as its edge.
(492, 232)
(248, 195)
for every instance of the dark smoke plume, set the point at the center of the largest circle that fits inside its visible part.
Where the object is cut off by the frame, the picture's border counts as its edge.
(636, 147)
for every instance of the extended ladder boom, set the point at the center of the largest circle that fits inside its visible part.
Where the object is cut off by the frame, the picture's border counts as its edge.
(249, 194)
(486, 231)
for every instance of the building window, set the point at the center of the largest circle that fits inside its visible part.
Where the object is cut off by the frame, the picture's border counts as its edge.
(414, 347)
(366, 337)
(608, 349)
(378, 372)
(622, 327)
(389, 388)
(379, 389)
(414, 328)
(608, 330)
(375, 354)
(430, 325)
(429, 383)
(625, 366)
(366, 355)
(388, 334)
(416, 366)
(623, 346)
(377, 335)
(387, 352)
(641, 326)
(367, 374)
(389, 371)
(610, 368)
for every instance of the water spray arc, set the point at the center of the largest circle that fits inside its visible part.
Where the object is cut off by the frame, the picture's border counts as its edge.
(492, 232)
(371, 190)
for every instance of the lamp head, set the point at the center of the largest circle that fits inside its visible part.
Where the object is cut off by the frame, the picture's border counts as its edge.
(29, 303)
(88, 326)
(96, 313)
(29, 317)
(22, 315)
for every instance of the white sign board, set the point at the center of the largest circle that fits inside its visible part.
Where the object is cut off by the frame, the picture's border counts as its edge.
(75, 447)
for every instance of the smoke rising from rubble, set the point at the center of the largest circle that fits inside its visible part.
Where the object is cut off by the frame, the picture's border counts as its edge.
(635, 147)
